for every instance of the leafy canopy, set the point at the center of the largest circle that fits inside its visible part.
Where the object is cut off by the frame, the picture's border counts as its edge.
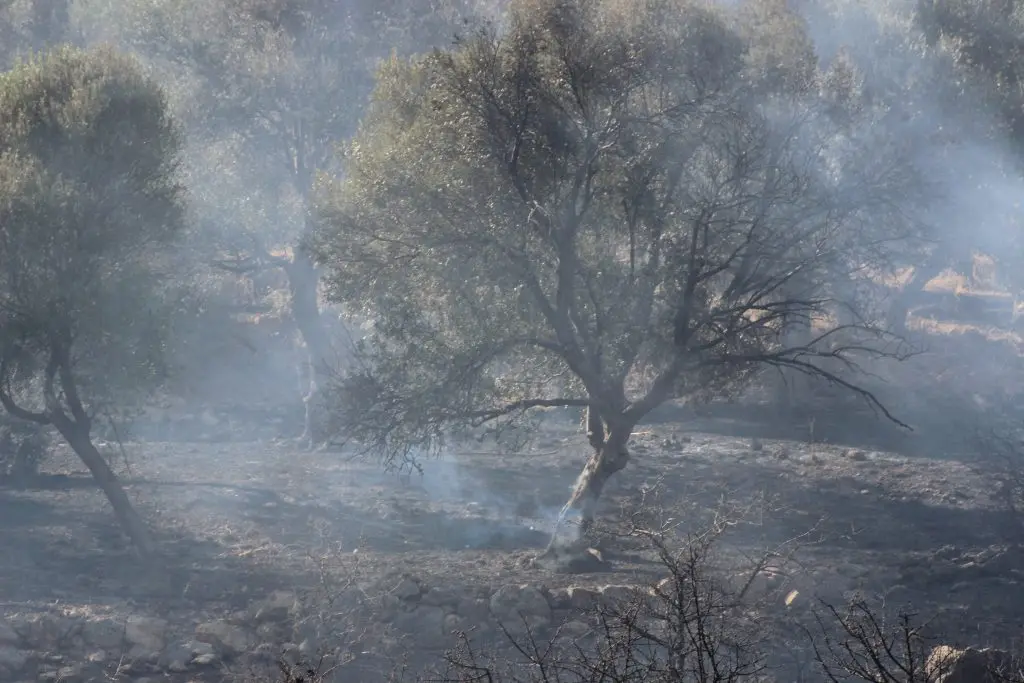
(90, 208)
(609, 203)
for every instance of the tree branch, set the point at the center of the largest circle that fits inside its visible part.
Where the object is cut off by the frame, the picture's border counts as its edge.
(482, 416)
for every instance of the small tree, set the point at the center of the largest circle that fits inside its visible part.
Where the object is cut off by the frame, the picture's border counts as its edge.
(89, 207)
(598, 206)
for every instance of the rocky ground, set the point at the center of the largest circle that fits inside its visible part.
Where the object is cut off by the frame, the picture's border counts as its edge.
(270, 550)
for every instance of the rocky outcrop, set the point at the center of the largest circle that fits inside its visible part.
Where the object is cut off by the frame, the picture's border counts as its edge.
(51, 646)
(951, 665)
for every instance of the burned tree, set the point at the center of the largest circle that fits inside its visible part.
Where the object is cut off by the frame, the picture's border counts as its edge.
(89, 208)
(592, 207)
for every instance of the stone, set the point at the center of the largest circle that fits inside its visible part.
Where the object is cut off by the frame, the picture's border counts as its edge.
(103, 633)
(97, 657)
(278, 606)
(581, 598)
(145, 633)
(574, 629)
(951, 665)
(519, 600)
(440, 597)
(12, 659)
(70, 674)
(475, 610)
(407, 590)
(8, 636)
(176, 658)
(426, 624)
(205, 660)
(618, 594)
(230, 639)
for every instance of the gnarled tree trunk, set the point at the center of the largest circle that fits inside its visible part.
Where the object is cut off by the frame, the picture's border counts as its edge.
(303, 284)
(79, 439)
(576, 520)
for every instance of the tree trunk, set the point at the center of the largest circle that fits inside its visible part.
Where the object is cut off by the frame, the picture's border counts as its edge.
(133, 525)
(576, 520)
(303, 284)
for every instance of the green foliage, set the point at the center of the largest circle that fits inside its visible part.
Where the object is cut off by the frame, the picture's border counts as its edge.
(90, 209)
(605, 203)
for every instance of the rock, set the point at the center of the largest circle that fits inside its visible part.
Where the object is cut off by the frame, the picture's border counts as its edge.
(440, 597)
(582, 598)
(475, 610)
(950, 665)
(12, 659)
(70, 674)
(278, 606)
(756, 445)
(231, 640)
(97, 657)
(8, 636)
(614, 594)
(425, 624)
(176, 658)
(145, 633)
(407, 590)
(855, 455)
(205, 660)
(522, 600)
(42, 631)
(103, 633)
(574, 630)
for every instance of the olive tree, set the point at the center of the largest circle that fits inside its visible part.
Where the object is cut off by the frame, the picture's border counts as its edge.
(597, 205)
(267, 87)
(90, 208)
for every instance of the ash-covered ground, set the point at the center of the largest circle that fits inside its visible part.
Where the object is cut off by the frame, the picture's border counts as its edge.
(242, 517)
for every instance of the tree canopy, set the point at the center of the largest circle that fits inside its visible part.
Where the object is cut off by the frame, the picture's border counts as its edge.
(90, 210)
(603, 203)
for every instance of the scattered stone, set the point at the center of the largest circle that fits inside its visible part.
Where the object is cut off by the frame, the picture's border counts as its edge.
(617, 596)
(278, 606)
(407, 590)
(440, 597)
(526, 600)
(582, 598)
(574, 630)
(12, 659)
(103, 633)
(231, 640)
(951, 665)
(426, 624)
(205, 660)
(8, 636)
(145, 633)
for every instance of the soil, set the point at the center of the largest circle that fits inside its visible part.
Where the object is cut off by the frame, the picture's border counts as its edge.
(238, 520)
(913, 517)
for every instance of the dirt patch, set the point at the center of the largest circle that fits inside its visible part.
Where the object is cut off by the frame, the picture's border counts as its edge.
(239, 521)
